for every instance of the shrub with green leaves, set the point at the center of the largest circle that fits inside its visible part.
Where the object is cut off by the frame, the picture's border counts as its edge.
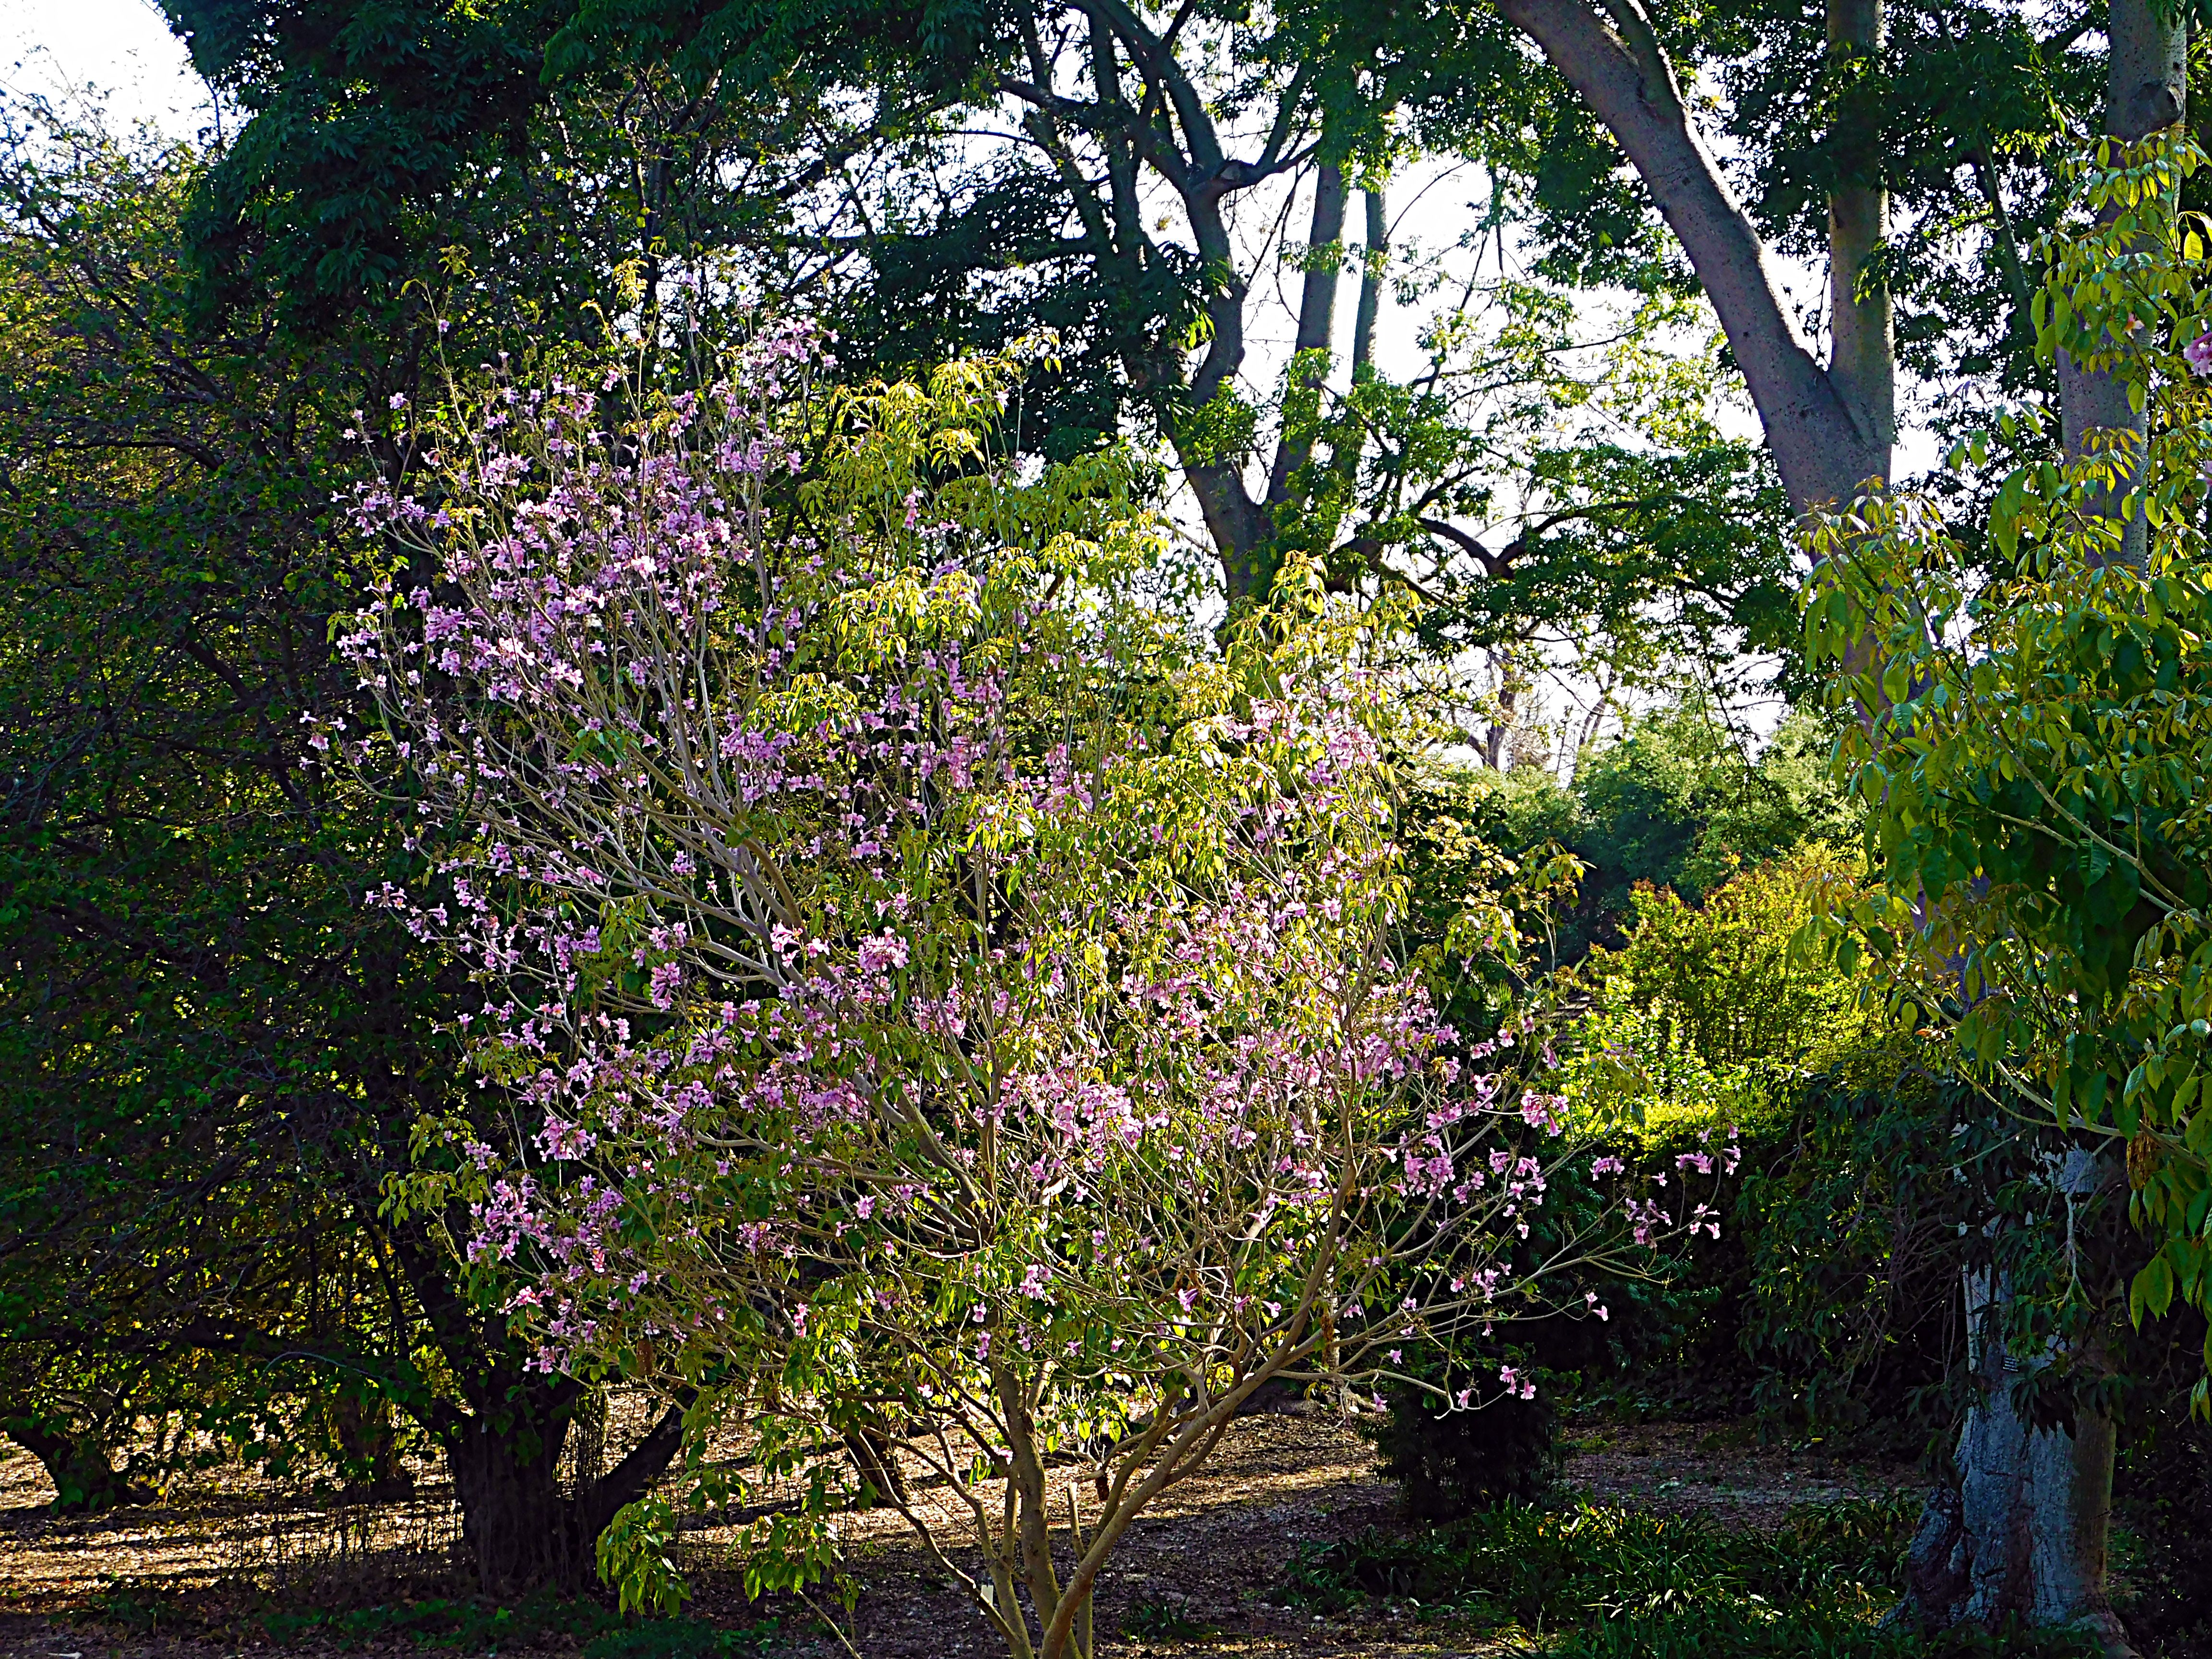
(1707, 1011)
(1608, 1583)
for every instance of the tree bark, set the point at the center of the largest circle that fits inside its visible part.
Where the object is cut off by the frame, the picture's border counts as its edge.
(2027, 1532)
(371, 1447)
(85, 1480)
(2022, 1530)
(1374, 270)
(516, 1524)
(2146, 90)
(1861, 343)
(520, 1529)
(1317, 324)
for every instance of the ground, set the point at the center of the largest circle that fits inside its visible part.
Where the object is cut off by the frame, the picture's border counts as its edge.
(185, 1579)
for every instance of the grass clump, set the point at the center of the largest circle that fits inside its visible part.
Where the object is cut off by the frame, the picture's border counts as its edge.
(1591, 1583)
(469, 1624)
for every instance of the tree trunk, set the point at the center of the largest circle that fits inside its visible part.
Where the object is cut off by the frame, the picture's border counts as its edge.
(2021, 1531)
(1374, 270)
(521, 1531)
(517, 1526)
(1316, 330)
(371, 1447)
(85, 1481)
(1861, 335)
(2146, 90)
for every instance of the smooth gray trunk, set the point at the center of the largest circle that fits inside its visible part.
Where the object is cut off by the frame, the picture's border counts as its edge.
(1861, 334)
(2023, 1534)
(2146, 90)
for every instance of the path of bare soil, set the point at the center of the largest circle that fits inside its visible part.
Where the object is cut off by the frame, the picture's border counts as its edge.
(1210, 1559)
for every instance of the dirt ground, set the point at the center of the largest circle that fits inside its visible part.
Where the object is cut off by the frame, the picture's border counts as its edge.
(1209, 1561)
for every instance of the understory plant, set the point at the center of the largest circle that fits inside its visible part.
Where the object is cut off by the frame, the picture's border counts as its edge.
(1593, 1582)
(2038, 708)
(951, 1013)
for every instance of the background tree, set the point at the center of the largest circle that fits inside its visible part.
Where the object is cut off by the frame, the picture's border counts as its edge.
(2029, 781)
(214, 1052)
(1131, 181)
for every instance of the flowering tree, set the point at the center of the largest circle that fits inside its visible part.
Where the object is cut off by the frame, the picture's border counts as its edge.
(956, 1019)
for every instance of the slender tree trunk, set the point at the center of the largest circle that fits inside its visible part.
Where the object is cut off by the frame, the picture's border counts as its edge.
(1316, 330)
(1374, 270)
(1242, 529)
(1511, 683)
(366, 1436)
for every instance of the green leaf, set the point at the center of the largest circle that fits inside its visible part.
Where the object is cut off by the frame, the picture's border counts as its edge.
(2152, 1290)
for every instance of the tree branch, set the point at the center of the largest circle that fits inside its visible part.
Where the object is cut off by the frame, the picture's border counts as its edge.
(1817, 446)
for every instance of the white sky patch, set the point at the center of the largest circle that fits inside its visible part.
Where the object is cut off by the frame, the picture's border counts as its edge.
(121, 50)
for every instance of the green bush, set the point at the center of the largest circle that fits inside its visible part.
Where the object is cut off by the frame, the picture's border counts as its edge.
(468, 1625)
(471, 1625)
(683, 1638)
(1449, 1464)
(1609, 1583)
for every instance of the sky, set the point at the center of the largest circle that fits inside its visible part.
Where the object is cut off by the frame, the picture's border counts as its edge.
(123, 47)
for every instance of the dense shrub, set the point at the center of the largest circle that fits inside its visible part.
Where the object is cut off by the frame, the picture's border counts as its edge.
(1449, 1464)
(1851, 1216)
(1681, 802)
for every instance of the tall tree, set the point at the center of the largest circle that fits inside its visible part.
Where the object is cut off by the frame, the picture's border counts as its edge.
(2023, 1530)
(214, 1049)
(1126, 178)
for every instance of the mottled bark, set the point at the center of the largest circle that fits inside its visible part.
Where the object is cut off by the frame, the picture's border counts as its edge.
(2146, 90)
(2021, 1531)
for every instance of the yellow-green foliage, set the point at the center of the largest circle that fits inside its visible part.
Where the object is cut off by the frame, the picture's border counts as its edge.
(1707, 1008)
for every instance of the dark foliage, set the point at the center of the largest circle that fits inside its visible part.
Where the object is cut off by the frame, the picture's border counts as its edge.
(1449, 1464)
(1616, 1583)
